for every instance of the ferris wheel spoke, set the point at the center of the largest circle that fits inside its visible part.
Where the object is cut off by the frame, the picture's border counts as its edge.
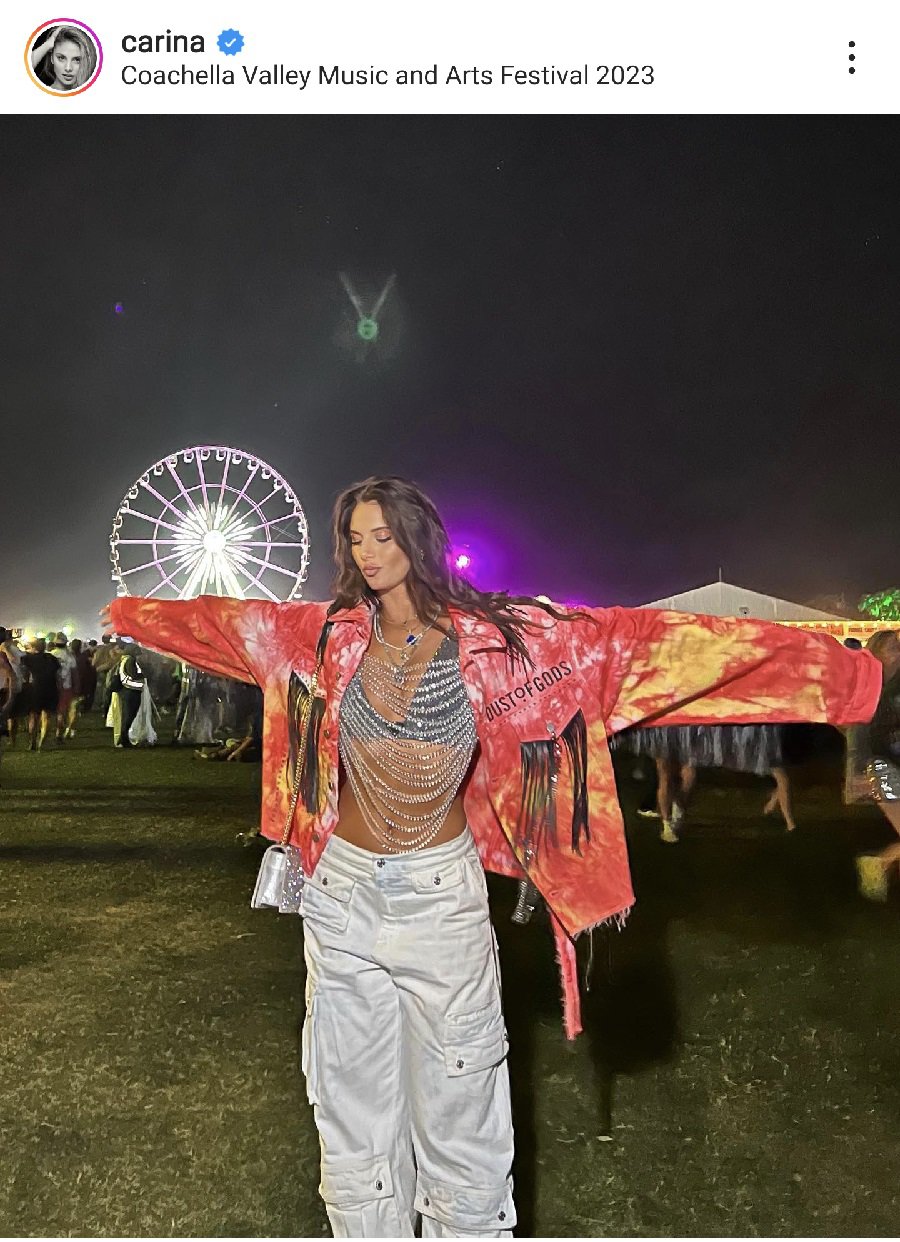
(230, 578)
(243, 492)
(258, 583)
(264, 543)
(268, 496)
(157, 521)
(288, 573)
(151, 564)
(191, 557)
(233, 525)
(156, 543)
(218, 569)
(199, 462)
(178, 483)
(270, 522)
(196, 578)
(224, 479)
(165, 581)
(164, 500)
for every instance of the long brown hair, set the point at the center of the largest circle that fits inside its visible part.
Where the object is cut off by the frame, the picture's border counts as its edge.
(433, 582)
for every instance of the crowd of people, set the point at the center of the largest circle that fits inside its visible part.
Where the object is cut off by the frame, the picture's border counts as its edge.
(48, 684)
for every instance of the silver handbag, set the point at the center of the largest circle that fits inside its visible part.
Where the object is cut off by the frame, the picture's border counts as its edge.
(279, 884)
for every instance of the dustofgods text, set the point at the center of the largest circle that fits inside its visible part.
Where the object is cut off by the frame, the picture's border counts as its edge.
(526, 690)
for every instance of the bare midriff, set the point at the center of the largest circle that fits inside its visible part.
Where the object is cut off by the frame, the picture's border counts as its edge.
(351, 824)
(353, 828)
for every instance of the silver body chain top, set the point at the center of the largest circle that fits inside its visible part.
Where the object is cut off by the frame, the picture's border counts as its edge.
(405, 772)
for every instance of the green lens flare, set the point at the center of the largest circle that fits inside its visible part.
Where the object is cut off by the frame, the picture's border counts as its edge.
(367, 328)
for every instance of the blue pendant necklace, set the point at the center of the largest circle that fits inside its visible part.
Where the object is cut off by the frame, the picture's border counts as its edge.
(409, 643)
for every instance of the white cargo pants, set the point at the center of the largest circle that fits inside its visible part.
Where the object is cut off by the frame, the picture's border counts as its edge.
(404, 1046)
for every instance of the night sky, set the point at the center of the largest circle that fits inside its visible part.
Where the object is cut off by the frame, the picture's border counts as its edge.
(620, 354)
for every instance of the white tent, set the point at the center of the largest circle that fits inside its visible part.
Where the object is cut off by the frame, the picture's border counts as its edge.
(724, 599)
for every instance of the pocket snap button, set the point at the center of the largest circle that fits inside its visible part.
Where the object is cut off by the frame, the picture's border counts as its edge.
(379, 862)
(460, 1064)
(436, 880)
(426, 1203)
(501, 1216)
(324, 879)
(379, 1185)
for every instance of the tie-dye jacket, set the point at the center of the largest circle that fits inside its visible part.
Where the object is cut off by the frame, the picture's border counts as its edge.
(541, 797)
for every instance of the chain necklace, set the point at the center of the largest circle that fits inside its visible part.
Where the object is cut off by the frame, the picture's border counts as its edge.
(412, 640)
(406, 771)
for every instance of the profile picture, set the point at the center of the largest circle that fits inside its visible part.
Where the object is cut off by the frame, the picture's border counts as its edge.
(63, 57)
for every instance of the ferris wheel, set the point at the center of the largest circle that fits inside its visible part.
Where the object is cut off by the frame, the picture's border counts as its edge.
(210, 520)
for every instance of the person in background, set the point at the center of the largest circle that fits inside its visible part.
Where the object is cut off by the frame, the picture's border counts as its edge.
(18, 705)
(126, 688)
(7, 692)
(879, 745)
(106, 657)
(67, 704)
(87, 679)
(199, 716)
(45, 686)
(675, 771)
(246, 748)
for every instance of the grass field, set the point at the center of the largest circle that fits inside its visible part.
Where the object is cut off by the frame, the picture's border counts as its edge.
(740, 1074)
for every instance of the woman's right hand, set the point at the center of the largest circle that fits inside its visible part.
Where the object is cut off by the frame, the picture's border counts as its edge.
(38, 53)
(106, 620)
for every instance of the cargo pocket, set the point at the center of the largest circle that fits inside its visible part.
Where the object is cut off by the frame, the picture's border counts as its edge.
(308, 1060)
(467, 1209)
(474, 1041)
(352, 1185)
(326, 899)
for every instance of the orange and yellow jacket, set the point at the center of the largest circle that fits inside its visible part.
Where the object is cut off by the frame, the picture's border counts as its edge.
(541, 798)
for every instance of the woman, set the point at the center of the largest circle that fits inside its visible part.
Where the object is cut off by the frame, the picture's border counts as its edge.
(877, 746)
(67, 702)
(43, 694)
(452, 730)
(65, 60)
(678, 753)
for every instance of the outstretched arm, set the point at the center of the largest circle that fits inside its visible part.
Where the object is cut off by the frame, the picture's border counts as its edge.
(229, 637)
(673, 668)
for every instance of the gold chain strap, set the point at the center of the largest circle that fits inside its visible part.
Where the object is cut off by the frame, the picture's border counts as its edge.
(298, 773)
